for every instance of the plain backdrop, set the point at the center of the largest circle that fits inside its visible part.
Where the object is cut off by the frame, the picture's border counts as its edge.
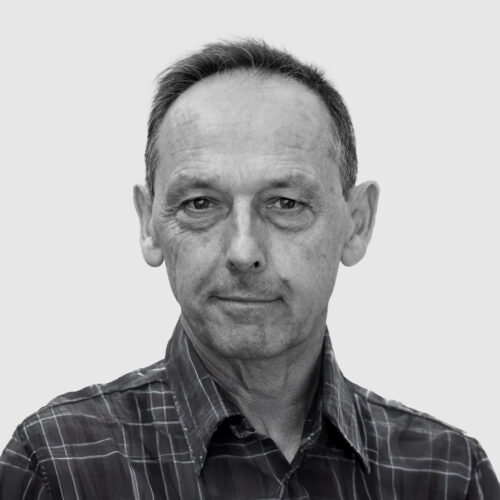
(417, 320)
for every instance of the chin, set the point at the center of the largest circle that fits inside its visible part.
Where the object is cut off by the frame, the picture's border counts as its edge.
(250, 341)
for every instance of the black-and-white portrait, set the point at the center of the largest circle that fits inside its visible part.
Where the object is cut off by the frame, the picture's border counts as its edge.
(249, 251)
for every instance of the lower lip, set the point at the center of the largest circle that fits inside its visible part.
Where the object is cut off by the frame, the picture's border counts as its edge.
(246, 305)
(247, 312)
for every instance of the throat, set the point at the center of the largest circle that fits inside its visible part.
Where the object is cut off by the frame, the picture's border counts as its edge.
(280, 420)
(287, 442)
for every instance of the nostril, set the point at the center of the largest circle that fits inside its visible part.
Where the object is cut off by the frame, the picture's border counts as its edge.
(256, 265)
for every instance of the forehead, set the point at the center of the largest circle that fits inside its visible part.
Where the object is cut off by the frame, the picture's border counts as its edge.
(249, 115)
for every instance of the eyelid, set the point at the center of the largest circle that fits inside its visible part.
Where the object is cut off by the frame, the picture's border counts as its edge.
(276, 199)
(194, 198)
(188, 197)
(190, 202)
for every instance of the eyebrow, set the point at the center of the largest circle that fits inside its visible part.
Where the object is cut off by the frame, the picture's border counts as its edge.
(293, 179)
(183, 182)
(187, 181)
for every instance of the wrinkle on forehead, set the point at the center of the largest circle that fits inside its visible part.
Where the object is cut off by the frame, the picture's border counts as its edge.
(255, 115)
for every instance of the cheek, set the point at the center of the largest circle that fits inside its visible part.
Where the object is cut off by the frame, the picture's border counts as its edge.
(190, 260)
(311, 266)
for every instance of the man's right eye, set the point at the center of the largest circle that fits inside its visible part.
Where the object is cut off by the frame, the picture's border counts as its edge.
(200, 213)
(200, 204)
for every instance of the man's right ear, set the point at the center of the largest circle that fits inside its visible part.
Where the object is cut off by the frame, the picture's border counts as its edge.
(151, 251)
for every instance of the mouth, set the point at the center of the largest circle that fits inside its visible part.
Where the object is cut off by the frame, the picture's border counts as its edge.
(247, 309)
(246, 300)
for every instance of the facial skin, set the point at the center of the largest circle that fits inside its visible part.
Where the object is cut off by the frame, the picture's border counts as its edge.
(249, 215)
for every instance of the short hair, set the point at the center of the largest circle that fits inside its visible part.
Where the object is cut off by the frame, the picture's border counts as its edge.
(253, 55)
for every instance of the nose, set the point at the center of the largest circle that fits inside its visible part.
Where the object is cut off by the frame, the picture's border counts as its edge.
(245, 251)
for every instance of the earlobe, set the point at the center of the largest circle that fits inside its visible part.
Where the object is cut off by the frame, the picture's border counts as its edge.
(151, 251)
(363, 202)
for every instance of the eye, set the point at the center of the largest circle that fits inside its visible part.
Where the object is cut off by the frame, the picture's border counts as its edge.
(285, 204)
(289, 214)
(200, 212)
(200, 204)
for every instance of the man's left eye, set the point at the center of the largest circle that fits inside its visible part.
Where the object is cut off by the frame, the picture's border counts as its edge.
(285, 204)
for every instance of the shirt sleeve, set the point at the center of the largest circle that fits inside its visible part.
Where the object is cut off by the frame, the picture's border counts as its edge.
(20, 473)
(484, 484)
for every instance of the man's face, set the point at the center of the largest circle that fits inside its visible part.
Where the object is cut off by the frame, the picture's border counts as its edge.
(249, 212)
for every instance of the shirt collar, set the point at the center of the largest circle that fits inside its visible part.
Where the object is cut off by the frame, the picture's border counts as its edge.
(198, 399)
(202, 405)
(339, 405)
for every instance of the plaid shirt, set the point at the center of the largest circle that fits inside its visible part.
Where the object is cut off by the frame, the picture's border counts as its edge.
(169, 431)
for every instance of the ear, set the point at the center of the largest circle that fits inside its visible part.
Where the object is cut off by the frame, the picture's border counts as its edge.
(151, 251)
(363, 200)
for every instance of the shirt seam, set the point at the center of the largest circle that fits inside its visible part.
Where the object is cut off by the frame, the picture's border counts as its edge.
(474, 474)
(409, 411)
(93, 396)
(43, 471)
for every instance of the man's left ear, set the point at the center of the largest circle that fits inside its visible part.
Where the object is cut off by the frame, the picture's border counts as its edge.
(363, 200)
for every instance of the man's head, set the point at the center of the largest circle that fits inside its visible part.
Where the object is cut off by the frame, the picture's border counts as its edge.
(248, 204)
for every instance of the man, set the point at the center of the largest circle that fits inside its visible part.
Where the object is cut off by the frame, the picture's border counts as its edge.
(251, 203)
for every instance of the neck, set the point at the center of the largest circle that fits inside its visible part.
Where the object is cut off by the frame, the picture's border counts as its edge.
(274, 394)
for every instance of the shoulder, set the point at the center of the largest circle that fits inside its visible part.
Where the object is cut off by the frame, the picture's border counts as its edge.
(90, 414)
(395, 431)
(135, 380)
(382, 408)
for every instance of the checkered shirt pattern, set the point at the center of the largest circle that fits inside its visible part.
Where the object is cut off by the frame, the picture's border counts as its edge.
(169, 431)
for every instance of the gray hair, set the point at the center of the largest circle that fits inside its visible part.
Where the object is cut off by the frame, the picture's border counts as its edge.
(254, 55)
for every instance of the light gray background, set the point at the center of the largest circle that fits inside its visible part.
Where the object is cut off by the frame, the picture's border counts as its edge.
(416, 321)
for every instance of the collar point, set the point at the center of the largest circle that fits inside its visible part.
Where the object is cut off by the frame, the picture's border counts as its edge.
(365, 461)
(198, 463)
